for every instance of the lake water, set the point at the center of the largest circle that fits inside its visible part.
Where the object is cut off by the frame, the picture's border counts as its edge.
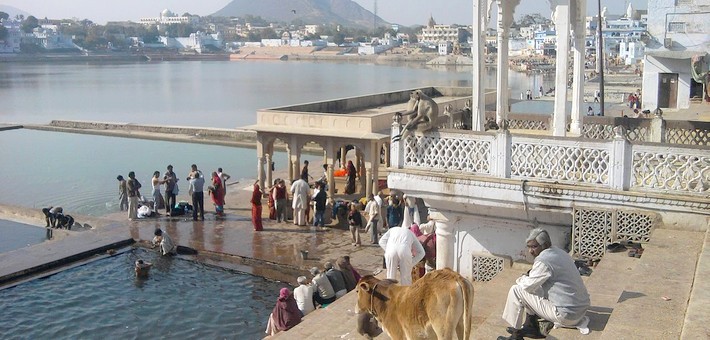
(180, 299)
(15, 235)
(78, 172)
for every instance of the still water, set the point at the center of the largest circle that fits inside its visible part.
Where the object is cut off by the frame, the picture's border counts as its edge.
(78, 172)
(104, 300)
(212, 93)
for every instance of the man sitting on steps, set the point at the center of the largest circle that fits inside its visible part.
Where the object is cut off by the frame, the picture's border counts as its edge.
(552, 290)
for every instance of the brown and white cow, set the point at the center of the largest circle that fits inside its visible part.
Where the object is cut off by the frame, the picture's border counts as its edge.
(437, 306)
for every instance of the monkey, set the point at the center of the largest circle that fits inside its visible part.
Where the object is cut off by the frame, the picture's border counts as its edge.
(425, 112)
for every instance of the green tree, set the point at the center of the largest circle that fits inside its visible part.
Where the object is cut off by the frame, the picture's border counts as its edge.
(29, 24)
(268, 33)
(3, 33)
(151, 35)
(338, 38)
(4, 16)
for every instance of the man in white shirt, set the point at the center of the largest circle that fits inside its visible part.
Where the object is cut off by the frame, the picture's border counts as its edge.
(552, 290)
(299, 190)
(167, 246)
(304, 295)
(402, 252)
(373, 216)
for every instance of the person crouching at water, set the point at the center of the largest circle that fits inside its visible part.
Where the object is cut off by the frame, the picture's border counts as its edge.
(167, 246)
(285, 314)
(142, 268)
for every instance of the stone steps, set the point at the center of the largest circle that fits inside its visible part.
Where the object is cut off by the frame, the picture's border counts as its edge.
(631, 298)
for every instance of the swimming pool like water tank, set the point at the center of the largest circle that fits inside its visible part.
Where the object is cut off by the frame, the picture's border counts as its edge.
(104, 299)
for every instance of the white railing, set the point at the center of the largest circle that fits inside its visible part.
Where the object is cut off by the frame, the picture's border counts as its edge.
(615, 163)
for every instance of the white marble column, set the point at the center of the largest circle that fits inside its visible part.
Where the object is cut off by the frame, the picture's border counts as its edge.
(505, 19)
(260, 171)
(478, 101)
(579, 10)
(562, 27)
(289, 165)
(445, 241)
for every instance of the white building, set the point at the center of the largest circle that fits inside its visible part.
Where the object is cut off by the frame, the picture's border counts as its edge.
(679, 31)
(196, 41)
(631, 51)
(433, 34)
(166, 18)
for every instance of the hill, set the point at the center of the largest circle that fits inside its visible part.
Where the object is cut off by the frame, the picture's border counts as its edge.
(344, 12)
(13, 11)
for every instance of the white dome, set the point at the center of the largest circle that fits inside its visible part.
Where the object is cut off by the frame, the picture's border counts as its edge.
(166, 13)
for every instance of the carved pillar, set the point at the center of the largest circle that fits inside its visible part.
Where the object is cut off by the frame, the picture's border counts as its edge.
(657, 132)
(561, 16)
(578, 9)
(387, 148)
(289, 166)
(396, 147)
(269, 172)
(505, 19)
(445, 241)
(260, 171)
(501, 152)
(260, 152)
(621, 161)
(360, 165)
(330, 161)
(478, 100)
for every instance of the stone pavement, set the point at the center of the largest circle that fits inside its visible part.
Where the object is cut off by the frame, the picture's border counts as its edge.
(662, 295)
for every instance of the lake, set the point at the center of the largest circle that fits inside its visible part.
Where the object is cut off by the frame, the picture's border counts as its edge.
(78, 172)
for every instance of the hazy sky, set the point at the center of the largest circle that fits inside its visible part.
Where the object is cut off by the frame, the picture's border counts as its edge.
(405, 12)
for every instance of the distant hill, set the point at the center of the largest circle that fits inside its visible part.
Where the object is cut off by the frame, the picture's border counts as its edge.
(347, 13)
(12, 11)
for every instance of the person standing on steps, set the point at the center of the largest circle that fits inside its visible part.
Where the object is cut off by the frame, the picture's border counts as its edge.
(197, 186)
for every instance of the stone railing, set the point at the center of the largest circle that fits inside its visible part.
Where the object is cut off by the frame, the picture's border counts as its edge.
(616, 163)
(654, 129)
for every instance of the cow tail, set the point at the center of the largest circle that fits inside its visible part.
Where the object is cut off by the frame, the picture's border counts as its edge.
(466, 288)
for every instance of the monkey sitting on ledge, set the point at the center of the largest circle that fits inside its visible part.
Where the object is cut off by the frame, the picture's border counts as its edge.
(425, 111)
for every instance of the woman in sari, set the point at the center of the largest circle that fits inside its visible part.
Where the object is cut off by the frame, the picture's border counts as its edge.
(256, 207)
(350, 179)
(285, 314)
(217, 193)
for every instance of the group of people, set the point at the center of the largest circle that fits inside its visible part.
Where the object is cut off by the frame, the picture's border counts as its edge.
(324, 288)
(634, 101)
(130, 198)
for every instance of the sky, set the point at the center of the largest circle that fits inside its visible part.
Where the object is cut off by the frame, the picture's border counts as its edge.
(404, 12)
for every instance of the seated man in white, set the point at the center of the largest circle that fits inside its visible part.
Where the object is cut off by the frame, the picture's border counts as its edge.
(552, 291)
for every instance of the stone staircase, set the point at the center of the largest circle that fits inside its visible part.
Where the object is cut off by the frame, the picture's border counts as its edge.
(665, 294)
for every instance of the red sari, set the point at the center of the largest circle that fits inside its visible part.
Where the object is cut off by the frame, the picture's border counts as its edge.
(217, 194)
(272, 204)
(256, 208)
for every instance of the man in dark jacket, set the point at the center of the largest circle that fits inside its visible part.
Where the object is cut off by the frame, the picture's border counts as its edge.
(337, 280)
(320, 198)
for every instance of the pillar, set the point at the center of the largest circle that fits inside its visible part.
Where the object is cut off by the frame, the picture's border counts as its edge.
(578, 9)
(621, 160)
(387, 155)
(331, 181)
(269, 172)
(505, 19)
(260, 171)
(289, 165)
(368, 181)
(445, 241)
(478, 99)
(561, 16)
(396, 147)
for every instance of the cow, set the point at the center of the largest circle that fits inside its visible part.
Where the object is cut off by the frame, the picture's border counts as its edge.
(437, 306)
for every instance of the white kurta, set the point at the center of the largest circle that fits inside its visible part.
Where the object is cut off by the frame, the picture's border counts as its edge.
(300, 190)
(304, 298)
(402, 252)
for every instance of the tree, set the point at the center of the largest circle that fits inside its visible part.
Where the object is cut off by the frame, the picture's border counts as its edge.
(338, 38)
(29, 24)
(3, 33)
(4, 16)
(151, 35)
